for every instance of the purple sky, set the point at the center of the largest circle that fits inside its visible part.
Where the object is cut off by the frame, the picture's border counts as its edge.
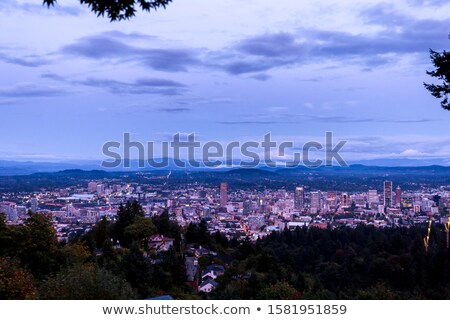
(226, 70)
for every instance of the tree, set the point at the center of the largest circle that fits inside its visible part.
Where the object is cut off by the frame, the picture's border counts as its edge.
(38, 246)
(140, 229)
(138, 272)
(86, 283)
(101, 232)
(126, 216)
(441, 61)
(76, 254)
(16, 283)
(279, 291)
(118, 10)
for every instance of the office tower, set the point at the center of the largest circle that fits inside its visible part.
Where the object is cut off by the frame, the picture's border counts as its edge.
(345, 200)
(247, 207)
(92, 186)
(372, 197)
(100, 189)
(299, 198)
(10, 210)
(387, 195)
(223, 194)
(398, 196)
(332, 198)
(34, 204)
(315, 202)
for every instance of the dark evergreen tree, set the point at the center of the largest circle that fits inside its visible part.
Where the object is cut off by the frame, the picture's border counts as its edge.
(126, 216)
(138, 272)
(38, 245)
(441, 61)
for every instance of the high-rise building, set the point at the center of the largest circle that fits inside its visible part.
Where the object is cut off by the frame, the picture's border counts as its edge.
(92, 186)
(34, 205)
(358, 199)
(299, 198)
(372, 197)
(223, 194)
(332, 198)
(315, 202)
(10, 211)
(345, 200)
(398, 196)
(387, 194)
(100, 189)
(247, 207)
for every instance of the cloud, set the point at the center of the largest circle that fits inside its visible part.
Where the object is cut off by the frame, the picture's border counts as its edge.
(413, 146)
(164, 87)
(140, 86)
(277, 109)
(174, 110)
(99, 47)
(272, 45)
(292, 118)
(111, 46)
(202, 101)
(242, 67)
(132, 35)
(261, 77)
(34, 8)
(8, 102)
(402, 33)
(399, 35)
(25, 61)
(52, 76)
(32, 91)
(422, 3)
(411, 153)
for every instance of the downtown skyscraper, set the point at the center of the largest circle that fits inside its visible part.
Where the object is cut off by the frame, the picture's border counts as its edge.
(387, 194)
(299, 198)
(223, 194)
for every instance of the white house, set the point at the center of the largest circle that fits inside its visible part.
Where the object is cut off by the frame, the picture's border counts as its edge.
(160, 243)
(207, 286)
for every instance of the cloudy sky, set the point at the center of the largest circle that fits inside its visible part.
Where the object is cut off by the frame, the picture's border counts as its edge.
(226, 70)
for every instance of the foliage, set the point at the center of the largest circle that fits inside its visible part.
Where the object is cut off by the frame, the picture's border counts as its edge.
(341, 263)
(86, 282)
(126, 216)
(119, 10)
(101, 232)
(37, 245)
(168, 228)
(138, 272)
(75, 254)
(441, 61)
(16, 283)
(140, 229)
(198, 233)
(279, 291)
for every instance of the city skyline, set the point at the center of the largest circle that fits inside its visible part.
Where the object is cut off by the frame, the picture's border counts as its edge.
(225, 72)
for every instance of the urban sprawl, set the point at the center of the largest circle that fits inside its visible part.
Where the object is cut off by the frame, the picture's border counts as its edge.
(235, 213)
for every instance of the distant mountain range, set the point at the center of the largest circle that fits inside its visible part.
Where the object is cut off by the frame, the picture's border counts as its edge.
(13, 168)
